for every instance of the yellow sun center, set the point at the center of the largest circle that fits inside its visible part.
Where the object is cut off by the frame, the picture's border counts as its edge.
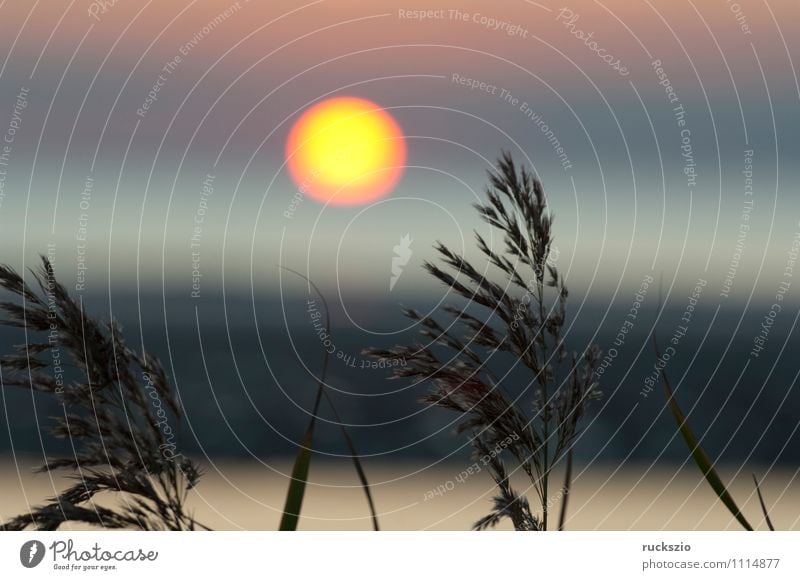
(345, 151)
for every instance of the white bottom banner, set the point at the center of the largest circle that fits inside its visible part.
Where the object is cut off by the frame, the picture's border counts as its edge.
(426, 555)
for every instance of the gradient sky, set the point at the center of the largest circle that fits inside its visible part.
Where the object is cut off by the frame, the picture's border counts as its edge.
(624, 207)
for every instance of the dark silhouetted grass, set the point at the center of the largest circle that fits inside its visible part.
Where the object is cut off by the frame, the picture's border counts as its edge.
(119, 414)
(302, 462)
(522, 317)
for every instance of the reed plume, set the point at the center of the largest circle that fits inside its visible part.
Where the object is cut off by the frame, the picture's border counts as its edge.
(118, 408)
(521, 318)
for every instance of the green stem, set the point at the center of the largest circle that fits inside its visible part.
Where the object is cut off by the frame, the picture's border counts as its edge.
(698, 453)
(546, 404)
(297, 486)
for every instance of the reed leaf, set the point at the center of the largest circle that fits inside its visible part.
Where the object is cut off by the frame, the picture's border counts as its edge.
(297, 487)
(302, 462)
(763, 505)
(698, 453)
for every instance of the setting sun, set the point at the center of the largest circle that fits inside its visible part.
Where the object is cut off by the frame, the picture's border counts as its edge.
(346, 151)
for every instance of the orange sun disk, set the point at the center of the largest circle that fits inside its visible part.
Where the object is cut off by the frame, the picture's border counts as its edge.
(345, 151)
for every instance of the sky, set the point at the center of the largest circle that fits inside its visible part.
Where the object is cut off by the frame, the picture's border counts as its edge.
(676, 121)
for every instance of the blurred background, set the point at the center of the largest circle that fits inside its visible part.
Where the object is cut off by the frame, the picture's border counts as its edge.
(665, 133)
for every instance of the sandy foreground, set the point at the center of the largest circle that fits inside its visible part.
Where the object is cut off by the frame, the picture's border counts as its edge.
(249, 496)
